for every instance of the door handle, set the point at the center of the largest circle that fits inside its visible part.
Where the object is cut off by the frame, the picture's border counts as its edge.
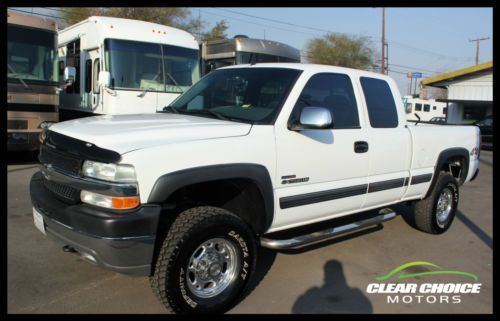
(360, 147)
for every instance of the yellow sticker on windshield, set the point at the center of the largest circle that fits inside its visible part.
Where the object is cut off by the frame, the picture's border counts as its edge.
(245, 105)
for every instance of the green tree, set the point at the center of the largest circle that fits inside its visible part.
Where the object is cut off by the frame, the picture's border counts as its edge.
(341, 50)
(71, 16)
(217, 32)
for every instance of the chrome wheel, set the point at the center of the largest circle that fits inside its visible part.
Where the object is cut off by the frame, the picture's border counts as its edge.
(444, 206)
(212, 267)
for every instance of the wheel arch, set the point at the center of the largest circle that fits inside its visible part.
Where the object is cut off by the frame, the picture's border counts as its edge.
(444, 158)
(168, 184)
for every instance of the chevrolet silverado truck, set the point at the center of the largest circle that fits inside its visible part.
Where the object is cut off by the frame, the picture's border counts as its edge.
(250, 156)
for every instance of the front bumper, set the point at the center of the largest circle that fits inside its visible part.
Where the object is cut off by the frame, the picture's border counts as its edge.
(119, 241)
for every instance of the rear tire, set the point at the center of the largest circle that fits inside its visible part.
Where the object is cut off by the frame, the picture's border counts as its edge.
(435, 213)
(205, 261)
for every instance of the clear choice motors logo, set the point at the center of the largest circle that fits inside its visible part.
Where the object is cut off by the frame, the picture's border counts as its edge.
(436, 292)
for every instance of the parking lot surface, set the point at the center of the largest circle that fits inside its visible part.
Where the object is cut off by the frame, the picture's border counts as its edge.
(330, 277)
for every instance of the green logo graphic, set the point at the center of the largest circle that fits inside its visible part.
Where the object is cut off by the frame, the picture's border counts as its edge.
(422, 263)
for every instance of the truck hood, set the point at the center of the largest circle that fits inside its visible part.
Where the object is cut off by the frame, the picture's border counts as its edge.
(125, 133)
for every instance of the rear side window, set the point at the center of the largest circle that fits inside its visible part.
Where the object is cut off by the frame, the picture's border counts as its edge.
(427, 107)
(418, 107)
(380, 103)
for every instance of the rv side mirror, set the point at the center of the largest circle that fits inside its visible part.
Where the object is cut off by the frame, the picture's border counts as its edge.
(104, 78)
(69, 75)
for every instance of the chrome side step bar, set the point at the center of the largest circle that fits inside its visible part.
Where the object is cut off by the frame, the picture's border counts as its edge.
(308, 239)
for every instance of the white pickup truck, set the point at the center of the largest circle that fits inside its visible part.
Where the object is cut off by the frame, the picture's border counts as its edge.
(187, 196)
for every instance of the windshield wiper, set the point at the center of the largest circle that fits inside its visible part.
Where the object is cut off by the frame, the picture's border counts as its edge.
(170, 108)
(20, 79)
(142, 93)
(175, 82)
(207, 112)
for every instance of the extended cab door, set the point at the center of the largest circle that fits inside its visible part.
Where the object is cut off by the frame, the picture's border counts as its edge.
(390, 141)
(320, 174)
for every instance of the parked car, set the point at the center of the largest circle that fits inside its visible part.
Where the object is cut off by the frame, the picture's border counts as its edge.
(486, 127)
(187, 196)
(438, 120)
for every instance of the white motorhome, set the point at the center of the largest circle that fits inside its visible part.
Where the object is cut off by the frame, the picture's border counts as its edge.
(426, 109)
(125, 66)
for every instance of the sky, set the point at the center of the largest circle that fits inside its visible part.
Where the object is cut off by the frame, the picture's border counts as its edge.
(426, 40)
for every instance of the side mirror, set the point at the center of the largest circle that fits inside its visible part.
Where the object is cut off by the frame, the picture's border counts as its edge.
(69, 75)
(104, 78)
(314, 118)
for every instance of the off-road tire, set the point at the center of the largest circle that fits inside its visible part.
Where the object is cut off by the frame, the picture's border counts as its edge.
(190, 229)
(425, 210)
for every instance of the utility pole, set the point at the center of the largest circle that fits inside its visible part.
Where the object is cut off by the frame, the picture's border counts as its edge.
(382, 60)
(477, 47)
(386, 47)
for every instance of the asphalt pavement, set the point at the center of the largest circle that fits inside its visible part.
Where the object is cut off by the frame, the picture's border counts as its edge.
(330, 277)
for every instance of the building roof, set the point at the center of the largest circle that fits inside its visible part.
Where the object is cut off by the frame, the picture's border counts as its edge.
(457, 73)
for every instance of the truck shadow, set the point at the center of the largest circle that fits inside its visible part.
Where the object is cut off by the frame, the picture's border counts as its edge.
(406, 212)
(335, 296)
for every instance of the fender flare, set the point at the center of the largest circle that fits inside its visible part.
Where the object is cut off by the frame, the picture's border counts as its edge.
(167, 184)
(443, 157)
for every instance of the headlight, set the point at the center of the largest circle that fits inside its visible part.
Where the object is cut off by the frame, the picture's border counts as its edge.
(109, 172)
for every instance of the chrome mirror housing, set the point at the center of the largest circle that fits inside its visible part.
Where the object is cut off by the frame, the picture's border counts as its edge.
(314, 118)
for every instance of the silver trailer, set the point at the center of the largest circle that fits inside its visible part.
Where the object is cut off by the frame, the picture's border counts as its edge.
(244, 50)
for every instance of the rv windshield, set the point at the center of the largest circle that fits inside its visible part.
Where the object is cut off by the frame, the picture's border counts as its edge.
(31, 55)
(148, 66)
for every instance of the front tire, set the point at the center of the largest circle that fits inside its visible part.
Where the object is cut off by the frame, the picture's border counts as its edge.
(205, 261)
(435, 213)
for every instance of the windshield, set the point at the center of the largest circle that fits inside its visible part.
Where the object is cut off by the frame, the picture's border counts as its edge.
(248, 94)
(149, 66)
(31, 54)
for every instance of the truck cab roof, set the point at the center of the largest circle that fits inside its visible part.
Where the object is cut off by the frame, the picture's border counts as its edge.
(313, 68)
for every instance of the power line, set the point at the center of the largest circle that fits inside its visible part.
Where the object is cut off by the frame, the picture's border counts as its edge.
(277, 21)
(427, 52)
(263, 25)
(416, 68)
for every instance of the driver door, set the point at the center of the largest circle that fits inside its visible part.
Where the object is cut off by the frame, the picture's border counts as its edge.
(320, 174)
